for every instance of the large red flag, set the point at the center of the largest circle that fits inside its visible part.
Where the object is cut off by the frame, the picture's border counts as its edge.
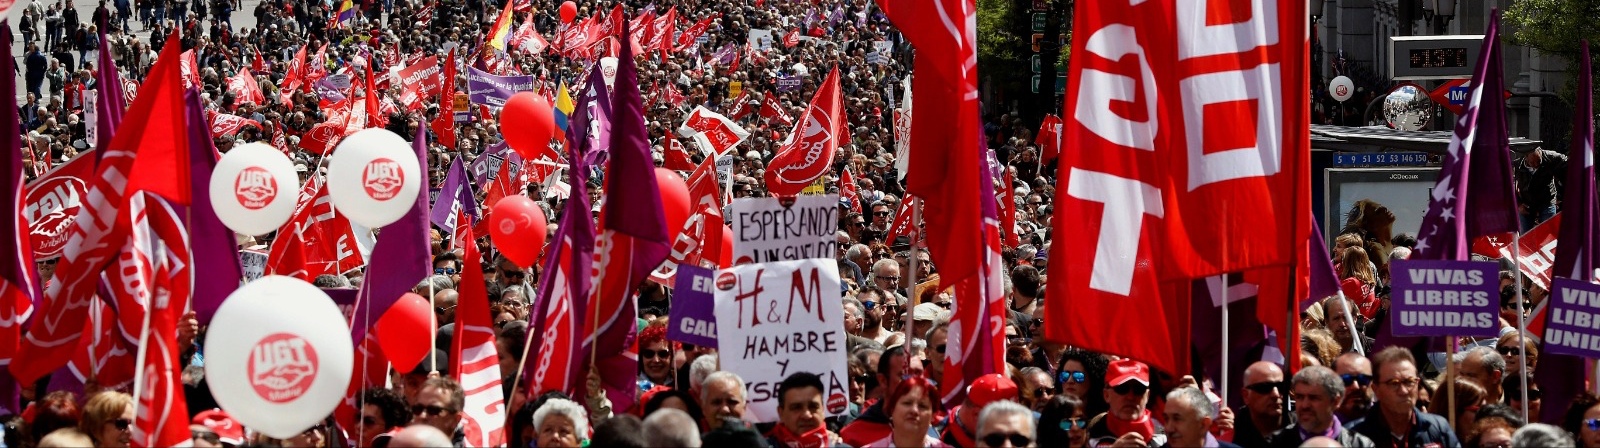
(771, 110)
(375, 116)
(674, 157)
(157, 134)
(477, 363)
(163, 415)
(244, 87)
(809, 151)
(19, 282)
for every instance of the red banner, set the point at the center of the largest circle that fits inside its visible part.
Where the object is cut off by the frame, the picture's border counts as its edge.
(1538, 250)
(809, 152)
(420, 81)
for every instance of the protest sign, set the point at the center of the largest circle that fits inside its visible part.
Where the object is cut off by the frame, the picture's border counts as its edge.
(254, 263)
(883, 49)
(761, 39)
(694, 318)
(1574, 318)
(420, 80)
(491, 90)
(462, 106)
(766, 231)
(788, 83)
(779, 318)
(1445, 298)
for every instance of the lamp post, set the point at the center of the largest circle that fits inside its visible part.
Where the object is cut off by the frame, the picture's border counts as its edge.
(1442, 9)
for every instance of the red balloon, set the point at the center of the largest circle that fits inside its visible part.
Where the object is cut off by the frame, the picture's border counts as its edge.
(527, 121)
(674, 201)
(404, 332)
(725, 259)
(569, 11)
(517, 227)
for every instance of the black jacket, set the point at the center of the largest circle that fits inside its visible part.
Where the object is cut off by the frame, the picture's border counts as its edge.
(1427, 429)
(1290, 438)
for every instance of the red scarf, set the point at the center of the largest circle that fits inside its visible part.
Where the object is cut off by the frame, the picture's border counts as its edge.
(1142, 425)
(815, 438)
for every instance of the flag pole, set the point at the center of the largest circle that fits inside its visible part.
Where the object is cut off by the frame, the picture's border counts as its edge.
(1522, 322)
(1450, 374)
(433, 336)
(911, 284)
(1226, 365)
(1345, 303)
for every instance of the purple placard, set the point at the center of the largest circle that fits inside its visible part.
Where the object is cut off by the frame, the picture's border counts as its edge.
(1574, 314)
(694, 317)
(1445, 298)
(492, 90)
(787, 83)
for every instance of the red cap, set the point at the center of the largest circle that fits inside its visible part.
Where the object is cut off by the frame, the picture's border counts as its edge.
(1122, 370)
(991, 388)
(227, 429)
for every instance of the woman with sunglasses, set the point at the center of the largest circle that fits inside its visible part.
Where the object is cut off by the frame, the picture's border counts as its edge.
(1082, 374)
(108, 419)
(655, 355)
(1513, 346)
(910, 407)
(1064, 423)
(1583, 420)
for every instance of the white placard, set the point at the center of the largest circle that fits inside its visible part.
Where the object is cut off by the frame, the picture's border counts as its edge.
(764, 230)
(254, 263)
(775, 319)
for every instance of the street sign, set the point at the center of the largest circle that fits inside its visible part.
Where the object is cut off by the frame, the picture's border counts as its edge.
(1433, 57)
(1041, 5)
(1061, 84)
(1039, 21)
(1038, 38)
(1036, 61)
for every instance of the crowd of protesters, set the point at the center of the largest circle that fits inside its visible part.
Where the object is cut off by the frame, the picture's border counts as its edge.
(1051, 395)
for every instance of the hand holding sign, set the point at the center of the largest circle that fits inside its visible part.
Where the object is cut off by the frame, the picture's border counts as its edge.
(253, 189)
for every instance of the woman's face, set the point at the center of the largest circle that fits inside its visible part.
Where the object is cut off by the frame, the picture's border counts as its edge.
(117, 432)
(557, 431)
(1589, 435)
(657, 360)
(913, 413)
(1078, 436)
(1077, 389)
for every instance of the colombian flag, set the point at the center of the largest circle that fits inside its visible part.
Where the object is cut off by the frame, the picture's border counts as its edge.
(347, 11)
(564, 106)
(502, 28)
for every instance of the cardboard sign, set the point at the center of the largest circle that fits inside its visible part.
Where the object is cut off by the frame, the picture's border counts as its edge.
(1574, 316)
(776, 319)
(694, 317)
(1445, 298)
(766, 231)
(254, 263)
(761, 39)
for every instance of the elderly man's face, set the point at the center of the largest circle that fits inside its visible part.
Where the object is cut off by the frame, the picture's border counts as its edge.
(722, 399)
(1185, 425)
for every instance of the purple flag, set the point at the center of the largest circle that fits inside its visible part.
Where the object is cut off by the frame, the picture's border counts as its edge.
(591, 118)
(1246, 335)
(1461, 211)
(399, 260)
(109, 100)
(573, 243)
(19, 286)
(633, 235)
(1324, 280)
(459, 192)
(1578, 254)
(216, 265)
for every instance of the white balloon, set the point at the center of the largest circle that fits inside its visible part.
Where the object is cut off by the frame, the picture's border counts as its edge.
(254, 188)
(374, 177)
(278, 356)
(1341, 88)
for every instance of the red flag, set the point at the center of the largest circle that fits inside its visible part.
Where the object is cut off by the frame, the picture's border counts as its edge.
(902, 223)
(156, 132)
(662, 33)
(375, 116)
(190, 70)
(809, 152)
(294, 74)
(444, 126)
(317, 240)
(163, 418)
(258, 65)
(791, 39)
(848, 191)
(477, 363)
(1049, 138)
(228, 124)
(674, 157)
(420, 81)
(19, 281)
(741, 105)
(772, 111)
(714, 133)
(694, 32)
(316, 68)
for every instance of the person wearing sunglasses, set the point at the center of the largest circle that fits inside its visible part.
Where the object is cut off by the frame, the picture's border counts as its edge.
(655, 356)
(1582, 420)
(960, 429)
(1395, 420)
(1263, 395)
(1037, 387)
(1356, 372)
(1064, 423)
(1316, 391)
(1005, 424)
(1189, 414)
(1080, 374)
(1128, 423)
(1517, 350)
(108, 419)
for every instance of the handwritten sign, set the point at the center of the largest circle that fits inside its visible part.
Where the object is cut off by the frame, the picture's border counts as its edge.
(766, 231)
(1574, 316)
(775, 319)
(694, 318)
(1445, 298)
(254, 263)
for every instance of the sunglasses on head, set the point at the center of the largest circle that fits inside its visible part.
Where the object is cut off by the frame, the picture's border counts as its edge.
(1069, 424)
(1356, 379)
(1000, 438)
(1266, 387)
(1070, 377)
(649, 354)
(444, 271)
(1131, 387)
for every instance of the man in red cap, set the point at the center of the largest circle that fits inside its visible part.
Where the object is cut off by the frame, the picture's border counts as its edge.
(961, 428)
(1128, 423)
(226, 431)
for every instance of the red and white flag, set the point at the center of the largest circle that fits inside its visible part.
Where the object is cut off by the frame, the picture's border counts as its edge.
(689, 36)
(716, 133)
(849, 191)
(1049, 138)
(477, 363)
(1206, 162)
(791, 39)
(294, 73)
(772, 111)
(741, 105)
(244, 87)
(661, 33)
(228, 124)
(809, 152)
(528, 38)
(316, 240)
(19, 282)
(163, 417)
(420, 81)
(674, 157)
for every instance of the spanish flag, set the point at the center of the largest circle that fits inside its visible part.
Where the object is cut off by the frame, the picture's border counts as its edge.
(502, 28)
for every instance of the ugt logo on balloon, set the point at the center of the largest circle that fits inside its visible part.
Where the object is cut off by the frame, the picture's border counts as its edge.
(255, 187)
(382, 179)
(282, 367)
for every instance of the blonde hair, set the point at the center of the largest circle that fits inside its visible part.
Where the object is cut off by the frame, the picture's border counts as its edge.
(1355, 263)
(102, 408)
(65, 438)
